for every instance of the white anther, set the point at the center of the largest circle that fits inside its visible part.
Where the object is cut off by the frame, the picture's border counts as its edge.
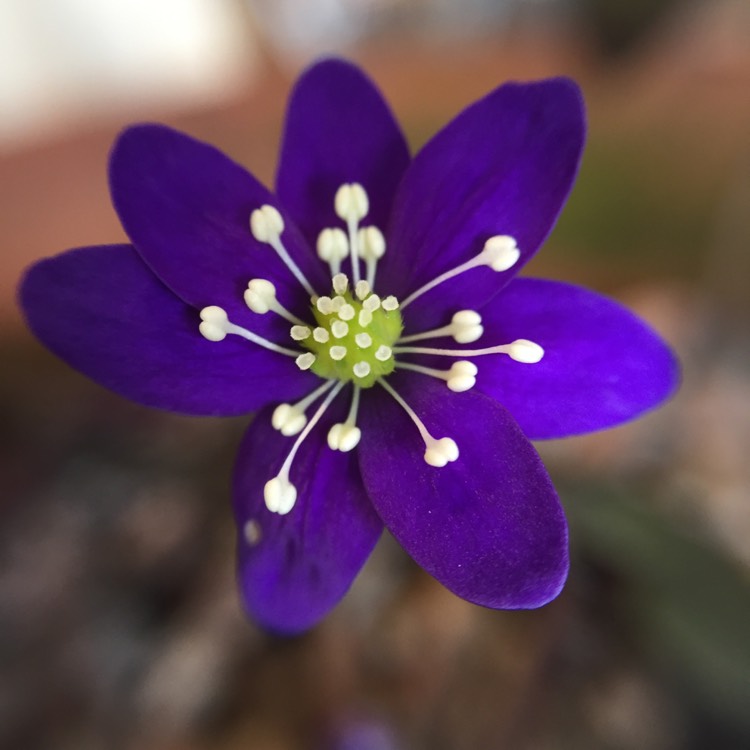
(351, 202)
(260, 295)
(280, 495)
(266, 223)
(324, 305)
(390, 303)
(523, 350)
(321, 335)
(371, 243)
(252, 532)
(337, 353)
(384, 353)
(214, 323)
(340, 282)
(467, 326)
(333, 247)
(299, 333)
(372, 303)
(363, 340)
(364, 318)
(343, 437)
(362, 289)
(440, 452)
(346, 312)
(339, 329)
(288, 419)
(462, 376)
(337, 303)
(305, 361)
(361, 369)
(500, 252)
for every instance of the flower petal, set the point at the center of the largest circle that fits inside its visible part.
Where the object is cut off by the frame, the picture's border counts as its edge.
(338, 130)
(105, 313)
(504, 166)
(602, 365)
(294, 568)
(186, 207)
(488, 526)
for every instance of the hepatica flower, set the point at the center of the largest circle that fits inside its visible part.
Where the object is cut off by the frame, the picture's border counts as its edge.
(370, 309)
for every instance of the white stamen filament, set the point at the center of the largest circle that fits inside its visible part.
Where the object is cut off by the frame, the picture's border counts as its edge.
(499, 253)
(520, 350)
(345, 436)
(461, 376)
(465, 328)
(260, 297)
(215, 326)
(351, 204)
(289, 419)
(267, 225)
(438, 452)
(279, 493)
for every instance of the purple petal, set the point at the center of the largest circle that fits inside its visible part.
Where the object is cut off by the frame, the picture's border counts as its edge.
(303, 562)
(505, 165)
(338, 130)
(488, 526)
(105, 313)
(602, 364)
(186, 207)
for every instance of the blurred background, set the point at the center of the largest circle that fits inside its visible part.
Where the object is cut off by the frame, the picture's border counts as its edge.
(120, 626)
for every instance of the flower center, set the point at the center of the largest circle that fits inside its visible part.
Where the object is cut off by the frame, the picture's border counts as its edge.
(354, 338)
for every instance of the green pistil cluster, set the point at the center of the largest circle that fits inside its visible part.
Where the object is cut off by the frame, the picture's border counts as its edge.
(353, 342)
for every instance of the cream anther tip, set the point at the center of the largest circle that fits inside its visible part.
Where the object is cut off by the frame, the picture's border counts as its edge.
(340, 283)
(266, 223)
(467, 326)
(362, 289)
(361, 369)
(462, 376)
(332, 244)
(260, 295)
(371, 243)
(441, 452)
(501, 252)
(523, 350)
(299, 333)
(351, 202)
(390, 303)
(280, 495)
(339, 329)
(213, 323)
(288, 420)
(344, 437)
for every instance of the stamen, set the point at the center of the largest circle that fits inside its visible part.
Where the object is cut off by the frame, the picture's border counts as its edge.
(289, 419)
(324, 305)
(299, 333)
(215, 326)
(520, 350)
(371, 250)
(305, 361)
(364, 318)
(345, 436)
(499, 253)
(461, 376)
(346, 312)
(337, 303)
(465, 328)
(390, 303)
(351, 204)
(260, 297)
(438, 452)
(279, 493)
(333, 247)
(372, 303)
(267, 225)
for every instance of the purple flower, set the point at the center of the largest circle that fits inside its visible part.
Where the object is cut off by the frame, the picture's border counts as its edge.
(385, 386)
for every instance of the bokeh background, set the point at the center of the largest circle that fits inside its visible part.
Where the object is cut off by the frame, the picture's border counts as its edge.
(120, 626)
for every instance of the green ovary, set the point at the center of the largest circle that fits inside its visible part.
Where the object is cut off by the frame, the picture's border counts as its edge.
(384, 329)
